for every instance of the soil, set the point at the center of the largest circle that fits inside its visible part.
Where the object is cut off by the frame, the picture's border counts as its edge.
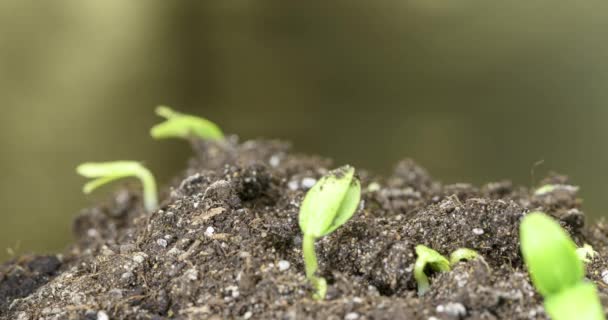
(225, 244)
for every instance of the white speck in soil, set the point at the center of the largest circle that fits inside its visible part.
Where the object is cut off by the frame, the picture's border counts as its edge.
(92, 233)
(478, 231)
(351, 316)
(139, 257)
(605, 276)
(209, 232)
(293, 185)
(275, 160)
(162, 242)
(102, 315)
(195, 205)
(191, 274)
(248, 315)
(126, 275)
(308, 183)
(452, 309)
(284, 265)
(234, 291)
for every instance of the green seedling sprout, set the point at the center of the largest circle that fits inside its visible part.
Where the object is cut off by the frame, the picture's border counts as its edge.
(107, 172)
(184, 126)
(430, 258)
(586, 253)
(329, 204)
(557, 271)
(463, 254)
(548, 188)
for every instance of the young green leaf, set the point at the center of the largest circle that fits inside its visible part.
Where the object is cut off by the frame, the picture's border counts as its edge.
(432, 259)
(580, 302)
(463, 254)
(183, 126)
(549, 254)
(329, 204)
(106, 172)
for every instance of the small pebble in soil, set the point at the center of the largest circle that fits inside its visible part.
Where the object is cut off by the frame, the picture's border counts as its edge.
(92, 233)
(248, 315)
(284, 265)
(162, 242)
(452, 309)
(209, 232)
(292, 185)
(274, 161)
(308, 183)
(139, 257)
(102, 315)
(605, 276)
(351, 316)
(478, 231)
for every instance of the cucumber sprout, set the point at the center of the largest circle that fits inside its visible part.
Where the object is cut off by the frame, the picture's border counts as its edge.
(107, 172)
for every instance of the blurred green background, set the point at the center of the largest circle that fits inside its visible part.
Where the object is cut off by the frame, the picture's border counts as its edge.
(474, 90)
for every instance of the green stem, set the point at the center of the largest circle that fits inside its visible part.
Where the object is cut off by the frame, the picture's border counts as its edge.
(311, 265)
(150, 192)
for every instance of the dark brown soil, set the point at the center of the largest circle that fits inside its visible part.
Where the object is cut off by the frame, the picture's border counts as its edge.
(226, 244)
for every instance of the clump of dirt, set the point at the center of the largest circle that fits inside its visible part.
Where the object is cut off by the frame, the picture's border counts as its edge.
(226, 244)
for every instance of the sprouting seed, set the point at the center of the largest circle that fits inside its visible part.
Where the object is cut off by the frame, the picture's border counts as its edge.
(586, 253)
(557, 271)
(106, 172)
(432, 259)
(329, 204)
(184, 126)
(548, 188)
(463, 254)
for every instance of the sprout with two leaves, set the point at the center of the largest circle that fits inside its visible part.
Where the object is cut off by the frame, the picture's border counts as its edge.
(329, 204)
(184, 126)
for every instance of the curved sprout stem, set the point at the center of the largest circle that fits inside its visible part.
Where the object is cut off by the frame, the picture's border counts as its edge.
(428, 257)
(311, 265)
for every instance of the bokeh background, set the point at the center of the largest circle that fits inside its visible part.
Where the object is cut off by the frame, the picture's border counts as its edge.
(474, 90)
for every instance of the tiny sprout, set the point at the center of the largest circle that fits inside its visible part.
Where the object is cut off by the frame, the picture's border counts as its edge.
(463, 254)
(586, 253)
(107, 172)
(548, 188)
(329, 204)
(428, 257)
(183, 126)
(556, 270)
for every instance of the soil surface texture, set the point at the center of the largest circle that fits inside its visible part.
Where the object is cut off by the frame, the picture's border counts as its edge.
(225, 244)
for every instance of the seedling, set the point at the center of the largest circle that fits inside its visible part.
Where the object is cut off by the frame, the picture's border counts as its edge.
(329, 204)
(548, 188)
(184, 126)
(428, 258)
(107, 172)
(463, 254)
(557, 271)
